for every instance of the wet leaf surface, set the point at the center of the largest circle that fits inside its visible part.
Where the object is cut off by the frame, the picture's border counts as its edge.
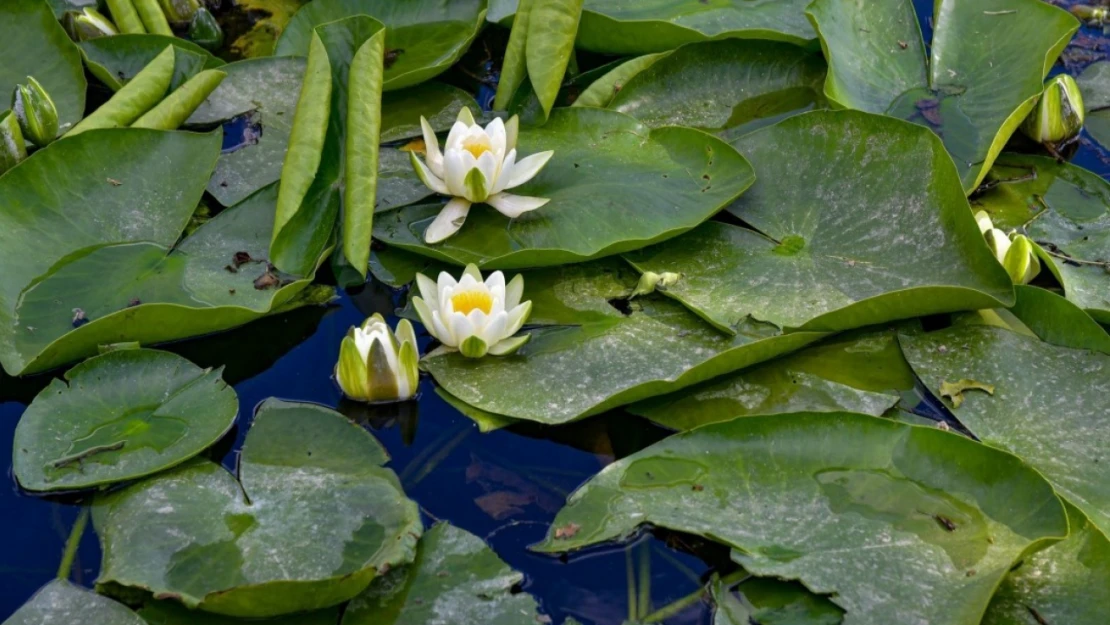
(62, 602)
(123, 415)
(115, 60)
(899, 523)
(311, 520)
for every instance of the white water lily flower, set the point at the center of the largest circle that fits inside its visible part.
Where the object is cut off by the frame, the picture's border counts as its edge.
(1017, 254)
(472, 316)
(476, 165)
(376, 365)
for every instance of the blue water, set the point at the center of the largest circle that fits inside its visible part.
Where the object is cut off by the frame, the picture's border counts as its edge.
(505, 486)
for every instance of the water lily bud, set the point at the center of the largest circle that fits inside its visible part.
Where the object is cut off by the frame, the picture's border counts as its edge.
(205, 31)
(377, 365)
(1094, 16)
(1021, 261)
(35, 110)
(651, 282)
(179, 11)
(473, 316)
(1059, 115)
(88, 24)
(12, 148)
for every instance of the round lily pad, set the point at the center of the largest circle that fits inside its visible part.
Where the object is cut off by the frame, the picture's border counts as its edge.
(311, 520)
(614, 184)
(62, 602)
(123, 415)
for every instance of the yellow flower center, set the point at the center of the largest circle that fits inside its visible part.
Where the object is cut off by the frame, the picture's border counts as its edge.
(467, 301)
(477, 147)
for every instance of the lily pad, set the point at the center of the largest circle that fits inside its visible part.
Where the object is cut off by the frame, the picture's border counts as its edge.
(36, 45)
(1066, 210)
(899, 523)
(984, 71)
(88, 239)
(123, 415)
(1065, 583)
(455, 578)
(860, 372)
(615, 185)
(587, 356)
(643, 26)
(1048, 404)
(1094, 83)
(878, 231)
(424, 37)
(61, 602)
(115, 60)
(438, 103)
(771, 602)
(171, 613)
(312, 519)
(725, 87)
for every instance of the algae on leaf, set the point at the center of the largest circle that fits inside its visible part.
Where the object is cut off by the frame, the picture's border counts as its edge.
(899, 523)
(311, 520)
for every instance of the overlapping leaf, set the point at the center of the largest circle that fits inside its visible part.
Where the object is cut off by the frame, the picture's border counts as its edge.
(62, 602)
(312, 519)
(115, 60)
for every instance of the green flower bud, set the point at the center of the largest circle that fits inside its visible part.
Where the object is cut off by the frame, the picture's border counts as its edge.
(1021, 261)
(651, 281)
(1094, 16)
(35, 110)
(88, 24)
(205, 31)
(12, 148)
(1059, 115)
(377, 364)
(179, 11)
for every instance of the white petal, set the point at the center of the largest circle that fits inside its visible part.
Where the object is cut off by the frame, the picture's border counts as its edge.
(514, 291)
(496, 284)
(455, 170)
(512, 206)
(426, 315)
(430, 180)
(527, 168)
(428, 290)
(455, 137)
(472, 270)
(505, 173)
(517, 317)
(478, 320)
(362, 343)
(443, 282)
(497, 138)
(461, 327)
(448, 222)
(431, 148)
(488, 164)
(390, 353)
(440, 331)
(495, 328)
(509, 346)
(465, 116)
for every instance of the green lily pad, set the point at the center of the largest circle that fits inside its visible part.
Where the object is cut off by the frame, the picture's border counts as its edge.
(312, 519)
(1066, 210)
(61, 602)
(614, 184)
(36, 45)
(88, 239)
(984, 73)
(124, 415)
(424, 37)
(171, 613)
(455, 578)
(876, 230)
(899, 523)
(438, 103)
(1094, 83)
(771, 602)
(587, 356)
(642, 26)
(860, 372)
(115, 60)
(725, 87)
(1048, 405)
(1065, 583)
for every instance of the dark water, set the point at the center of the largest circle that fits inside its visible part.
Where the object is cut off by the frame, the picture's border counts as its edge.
(505, 486)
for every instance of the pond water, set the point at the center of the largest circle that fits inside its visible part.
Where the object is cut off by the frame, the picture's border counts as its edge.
(504, 486)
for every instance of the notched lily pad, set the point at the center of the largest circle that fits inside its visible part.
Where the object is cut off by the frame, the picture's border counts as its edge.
(455, 578)
(614, 185)
(898, 523)
(312, 519)
(122, 416)
(61, 602)
(592, 349)
(877, 230)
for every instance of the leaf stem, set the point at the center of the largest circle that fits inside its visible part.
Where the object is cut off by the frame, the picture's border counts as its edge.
(73, 542)
(679, 605)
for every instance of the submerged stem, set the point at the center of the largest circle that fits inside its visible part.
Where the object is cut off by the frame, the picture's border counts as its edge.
(73, 542)
(679, 605)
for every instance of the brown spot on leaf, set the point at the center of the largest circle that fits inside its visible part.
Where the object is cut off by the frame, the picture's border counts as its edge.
(568, 531)
(391, 57)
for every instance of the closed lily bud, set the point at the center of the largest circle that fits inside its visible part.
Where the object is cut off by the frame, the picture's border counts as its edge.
(205, 31)
(651, 282)
(1094, 16)
(1059, 115)
(12, 148)
(179, 11)
(35, 110)
(1021, 261)
(88, 24)
(377, 365)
